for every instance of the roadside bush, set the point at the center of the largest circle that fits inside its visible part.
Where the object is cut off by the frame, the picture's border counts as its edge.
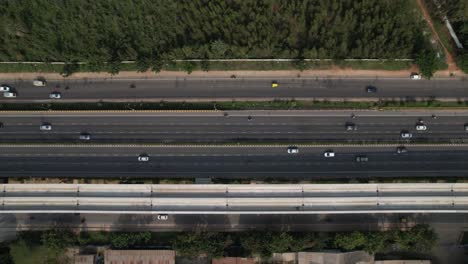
(129, 240)
(427, 62)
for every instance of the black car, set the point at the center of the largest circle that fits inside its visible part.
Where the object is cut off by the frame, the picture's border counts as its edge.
(350, 126)
(371, 89)
(1, 125)
(401, 150)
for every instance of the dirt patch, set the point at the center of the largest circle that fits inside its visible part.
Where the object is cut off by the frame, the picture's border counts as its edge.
(333, 72)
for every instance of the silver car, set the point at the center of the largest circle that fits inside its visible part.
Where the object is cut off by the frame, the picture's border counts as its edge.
(45, 127)
(55, 95)
(406, 134)
(85, 136)
(162, 217)
(143, 157)
(9, 95)
(421, 127)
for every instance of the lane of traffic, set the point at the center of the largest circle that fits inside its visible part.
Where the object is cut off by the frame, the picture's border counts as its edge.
(247, 127)
(232, 162)
(191, 88)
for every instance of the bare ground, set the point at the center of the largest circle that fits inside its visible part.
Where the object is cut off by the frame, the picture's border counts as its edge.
(334, 72)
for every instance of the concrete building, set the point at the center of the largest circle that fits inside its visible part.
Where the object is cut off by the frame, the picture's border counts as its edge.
(403, 262)
(139, 256)
(233, 260)
(83, 259)
(354, 257)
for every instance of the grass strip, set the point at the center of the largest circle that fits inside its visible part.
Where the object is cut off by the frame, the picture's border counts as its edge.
(233, 105)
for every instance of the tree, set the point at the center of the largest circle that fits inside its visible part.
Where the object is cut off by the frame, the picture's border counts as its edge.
(280, 242)
(69, 68)
(218, 49)
(5, 257)
(55, 242)
(129, 240)
(205, 65)
(257, 243)
(462, 61)
(302, 241)
(189, 66)
(377, 242)
(193, 244)
(421, 238)
(350, 241)
(427, 62)
(85, 31)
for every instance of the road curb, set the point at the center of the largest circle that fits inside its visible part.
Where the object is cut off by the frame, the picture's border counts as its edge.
(222, 146)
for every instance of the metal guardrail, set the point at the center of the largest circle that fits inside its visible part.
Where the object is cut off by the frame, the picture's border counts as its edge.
(234, 199)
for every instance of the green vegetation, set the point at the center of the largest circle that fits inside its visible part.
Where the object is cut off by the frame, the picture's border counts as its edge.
(233, 105)
(419, 239)
(51, 245)
(427, 62)
(457, 13)
(42, 247)
(128, 240)
(68, 69)
(155, 32)
(194, 244)
(5, 255)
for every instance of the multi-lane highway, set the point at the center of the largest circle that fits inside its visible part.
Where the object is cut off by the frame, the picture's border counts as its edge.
(233, 127)
(245, 89)
(231, 162)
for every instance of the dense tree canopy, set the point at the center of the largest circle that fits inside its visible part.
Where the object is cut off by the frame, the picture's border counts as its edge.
(151, 31)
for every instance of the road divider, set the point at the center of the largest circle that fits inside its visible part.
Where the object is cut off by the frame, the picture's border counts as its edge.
(207, 106)
(278, 145)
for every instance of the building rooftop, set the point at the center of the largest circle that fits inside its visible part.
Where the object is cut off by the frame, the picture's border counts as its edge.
(354, 257)
(139, 256)
(232, 260)
(83, 259)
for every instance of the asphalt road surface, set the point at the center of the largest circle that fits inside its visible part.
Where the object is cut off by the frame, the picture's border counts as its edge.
(233, 127)
(230, 162)
(244, 89)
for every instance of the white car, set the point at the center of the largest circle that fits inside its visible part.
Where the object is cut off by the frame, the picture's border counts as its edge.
(55, 95)
(421, 127)
(329, 154)
(39, 82)
(293, 150)
(162, 217)
(9, 94)
(143, 157)
(5, 88)
(415, 76)
(45, 127)
(85, 136)
(406, 134)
